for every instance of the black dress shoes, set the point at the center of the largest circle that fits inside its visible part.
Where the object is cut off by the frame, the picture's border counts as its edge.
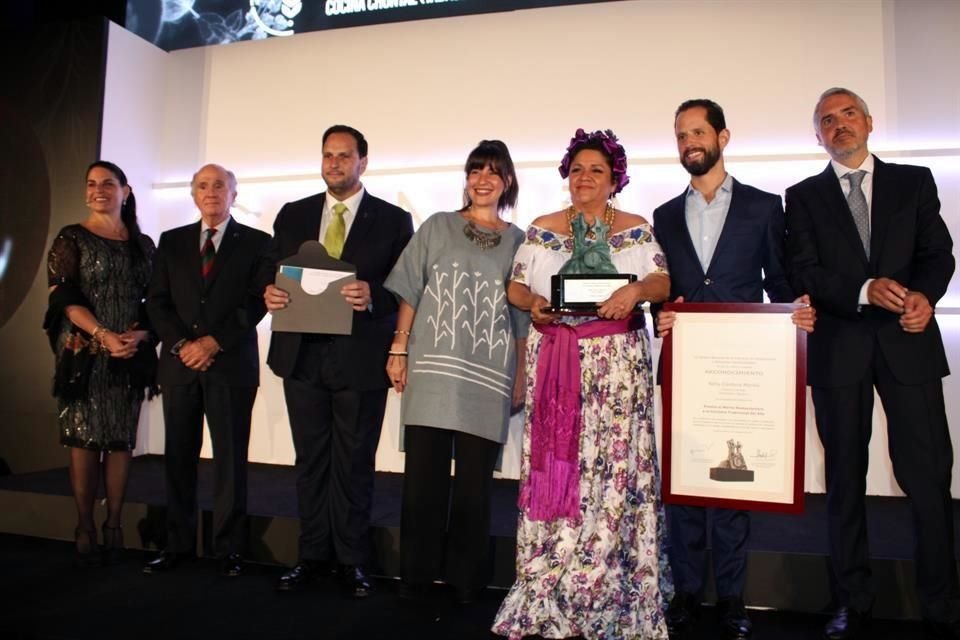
(303, 574)
(231, 565)
(733, 619)
(847, 623)
(167, 561)
(682, 614)
(354, 582)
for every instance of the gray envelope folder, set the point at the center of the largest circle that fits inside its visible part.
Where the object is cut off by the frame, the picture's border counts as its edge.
(315, 311)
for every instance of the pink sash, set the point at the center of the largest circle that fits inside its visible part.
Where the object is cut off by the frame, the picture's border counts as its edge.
(552, 487)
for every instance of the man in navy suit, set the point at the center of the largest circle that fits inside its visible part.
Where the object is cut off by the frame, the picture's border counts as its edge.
(866, 241)
(724, 242)
(204, 301)
(336, 386)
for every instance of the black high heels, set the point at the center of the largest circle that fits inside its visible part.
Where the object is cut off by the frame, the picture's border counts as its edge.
(86, 553)
(113, 549)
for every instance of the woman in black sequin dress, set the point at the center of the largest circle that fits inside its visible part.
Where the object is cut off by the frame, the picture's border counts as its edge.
(98, 272)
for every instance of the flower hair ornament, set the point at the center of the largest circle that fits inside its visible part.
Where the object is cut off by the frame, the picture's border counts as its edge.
(608, 140)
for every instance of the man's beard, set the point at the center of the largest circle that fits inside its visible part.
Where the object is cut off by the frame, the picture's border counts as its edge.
(704, 164)
(844, 148)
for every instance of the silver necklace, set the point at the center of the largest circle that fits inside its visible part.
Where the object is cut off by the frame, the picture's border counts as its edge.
(480, 237)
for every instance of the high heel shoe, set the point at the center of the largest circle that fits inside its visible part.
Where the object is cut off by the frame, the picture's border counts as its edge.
(113, 549)
(85, 543)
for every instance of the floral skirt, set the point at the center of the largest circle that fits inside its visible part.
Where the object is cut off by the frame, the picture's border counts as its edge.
(604, 574)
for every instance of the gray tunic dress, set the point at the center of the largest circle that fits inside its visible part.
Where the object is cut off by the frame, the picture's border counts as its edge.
(462, 346)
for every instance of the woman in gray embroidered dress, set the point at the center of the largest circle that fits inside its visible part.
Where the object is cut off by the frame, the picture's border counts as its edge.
(453, 359)
(590, 560)
(97, 273)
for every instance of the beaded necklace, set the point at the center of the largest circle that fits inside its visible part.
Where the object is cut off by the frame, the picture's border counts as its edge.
(481, 237)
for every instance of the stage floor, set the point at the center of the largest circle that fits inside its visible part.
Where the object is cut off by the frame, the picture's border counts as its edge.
(787, 567)
(44, 598)
(272, 495)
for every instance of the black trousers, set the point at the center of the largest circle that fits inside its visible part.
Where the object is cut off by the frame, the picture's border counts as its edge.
(336, 430)
(729, 530)
(922, 456)
(228, 412)
(438, 526)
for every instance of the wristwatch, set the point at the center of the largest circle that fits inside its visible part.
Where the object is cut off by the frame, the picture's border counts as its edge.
(175, 349)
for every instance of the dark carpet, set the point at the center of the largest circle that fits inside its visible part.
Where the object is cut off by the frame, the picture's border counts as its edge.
(43, 597)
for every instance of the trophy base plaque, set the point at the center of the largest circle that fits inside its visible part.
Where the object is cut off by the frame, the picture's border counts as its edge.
(578, 293)
(722, 474)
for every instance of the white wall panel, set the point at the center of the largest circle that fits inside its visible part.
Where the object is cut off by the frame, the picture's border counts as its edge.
(425, 92)
(133, 113)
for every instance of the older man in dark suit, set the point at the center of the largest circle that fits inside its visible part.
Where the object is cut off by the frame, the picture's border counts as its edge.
(724, 243)
(336, 386)
(205, 302)
(866, 241)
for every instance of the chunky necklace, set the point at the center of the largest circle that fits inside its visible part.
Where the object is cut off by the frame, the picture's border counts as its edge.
(481, 237)
(609, 215)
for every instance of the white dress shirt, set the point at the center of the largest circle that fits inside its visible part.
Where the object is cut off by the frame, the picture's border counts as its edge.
(217, 237)
(352, 203)
(705, 219)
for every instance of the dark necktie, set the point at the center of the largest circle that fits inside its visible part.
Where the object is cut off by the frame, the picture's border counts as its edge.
(207, 254)
(858, 208)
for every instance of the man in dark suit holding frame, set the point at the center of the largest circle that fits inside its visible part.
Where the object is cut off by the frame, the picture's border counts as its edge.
(724, 242)
(204, 301)
(867, 243)
(335, 386)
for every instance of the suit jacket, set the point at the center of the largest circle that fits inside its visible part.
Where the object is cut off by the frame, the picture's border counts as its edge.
(377, 236)
(909, 243)
(227, 306)
(748, 258)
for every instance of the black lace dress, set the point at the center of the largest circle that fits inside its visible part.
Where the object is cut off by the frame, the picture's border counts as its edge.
(113, 281)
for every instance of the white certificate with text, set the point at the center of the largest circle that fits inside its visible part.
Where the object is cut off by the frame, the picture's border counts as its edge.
(731, 407)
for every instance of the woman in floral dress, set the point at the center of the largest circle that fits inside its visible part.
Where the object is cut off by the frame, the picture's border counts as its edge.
(590, 559)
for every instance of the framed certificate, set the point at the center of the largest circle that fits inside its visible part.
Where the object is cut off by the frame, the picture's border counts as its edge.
(734, 399)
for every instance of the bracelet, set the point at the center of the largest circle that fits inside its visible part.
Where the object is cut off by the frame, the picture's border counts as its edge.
(97, 332)
(398, 353)
(401, 332)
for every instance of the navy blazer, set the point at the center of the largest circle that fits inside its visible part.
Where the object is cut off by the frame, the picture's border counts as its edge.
(227, 306)
(748, 259)
(909, 243)
(378, 235)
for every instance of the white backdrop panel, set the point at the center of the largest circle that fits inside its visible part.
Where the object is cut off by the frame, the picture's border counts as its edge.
(425, 92)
